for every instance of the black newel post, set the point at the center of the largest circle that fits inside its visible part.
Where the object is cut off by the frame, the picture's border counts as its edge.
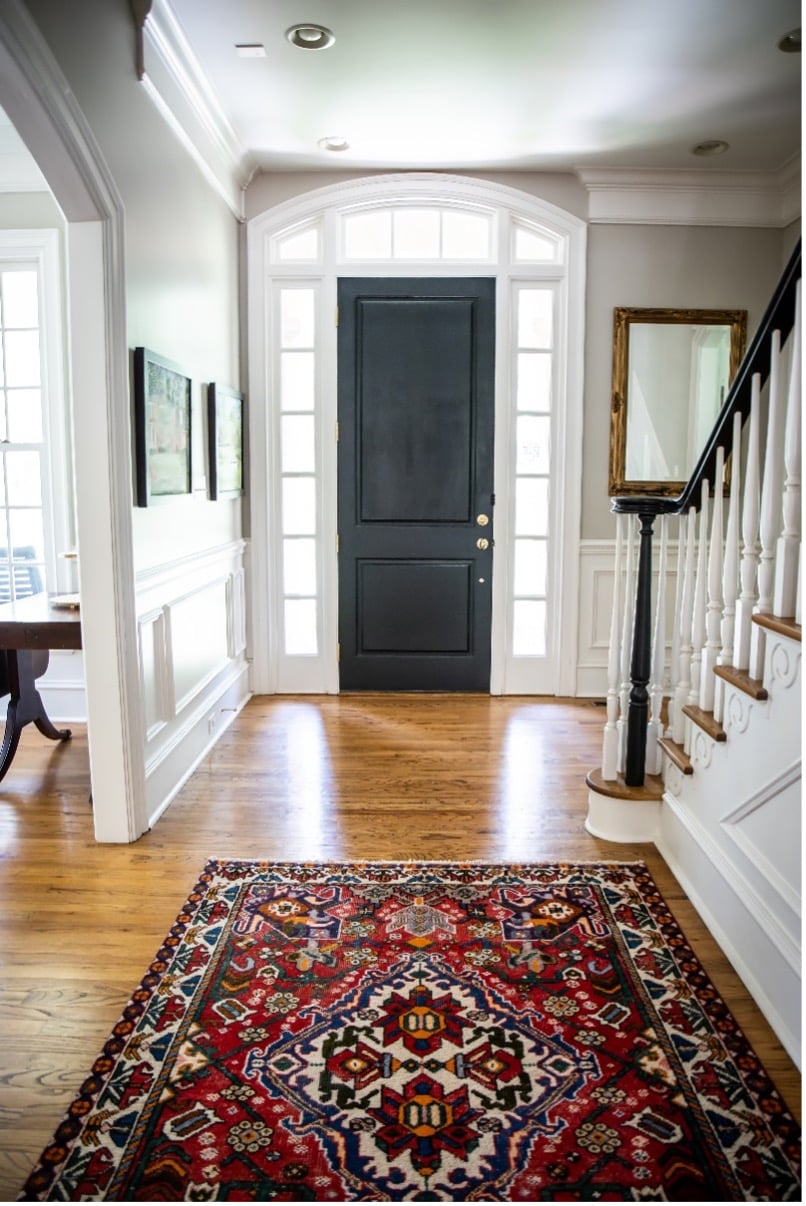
(640, 665)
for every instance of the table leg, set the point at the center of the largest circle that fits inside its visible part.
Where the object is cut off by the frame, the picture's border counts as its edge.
(25, 705)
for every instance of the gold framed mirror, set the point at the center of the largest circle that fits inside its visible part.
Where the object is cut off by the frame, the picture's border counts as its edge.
(671, 373)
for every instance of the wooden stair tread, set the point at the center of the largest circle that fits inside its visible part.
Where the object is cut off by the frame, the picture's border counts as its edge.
(784, 625)
(676, 754)
(741, 679)
(617, 789)
(706, 721)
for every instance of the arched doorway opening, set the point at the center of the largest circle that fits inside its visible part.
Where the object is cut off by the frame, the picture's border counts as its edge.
(416, 226)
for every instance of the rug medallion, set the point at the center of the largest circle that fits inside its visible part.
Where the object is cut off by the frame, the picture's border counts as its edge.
(424, 1032)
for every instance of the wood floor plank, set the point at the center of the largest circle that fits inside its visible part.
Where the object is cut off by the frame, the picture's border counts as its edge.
(305, 778)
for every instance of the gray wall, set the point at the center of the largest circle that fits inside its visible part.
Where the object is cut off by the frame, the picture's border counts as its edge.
(676, 267)
(182, 246)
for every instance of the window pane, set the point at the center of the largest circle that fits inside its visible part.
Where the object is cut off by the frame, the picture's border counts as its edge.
(20, 299)
(299, 567)
(303, 245)
(416, 234)
(22, 357)
(300, 628)
(529, 245)
(530, 567)
(29, 579)
(23, 479)
(297, 318)
(24, 416)
(297, 380)
(531, 506)
(368, 236)
(529, 628)
(534, 318)
(298, 453)
(27, 533)
(534, 381)
(533, 435)
(465, 236)
(299, 506)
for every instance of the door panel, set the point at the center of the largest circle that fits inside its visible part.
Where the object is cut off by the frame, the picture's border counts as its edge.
(416, 378)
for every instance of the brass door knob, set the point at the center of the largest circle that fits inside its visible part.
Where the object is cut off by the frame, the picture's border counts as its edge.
(482, 520)
(482, 543)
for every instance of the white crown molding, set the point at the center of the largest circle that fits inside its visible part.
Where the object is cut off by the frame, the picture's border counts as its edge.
(693, 198)
(176, 83)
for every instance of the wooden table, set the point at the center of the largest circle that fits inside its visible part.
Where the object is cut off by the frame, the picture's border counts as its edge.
(29, 629)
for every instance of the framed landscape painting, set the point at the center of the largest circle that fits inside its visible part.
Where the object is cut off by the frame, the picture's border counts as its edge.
(225, 441)
(162, 418)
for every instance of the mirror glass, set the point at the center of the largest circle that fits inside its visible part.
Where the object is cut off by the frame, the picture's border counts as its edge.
(671, 374)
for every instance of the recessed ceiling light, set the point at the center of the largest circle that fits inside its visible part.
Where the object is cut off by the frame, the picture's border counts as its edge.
(333, 142)
(790, 43)
(250, 50)
(310, 37)
(712, 146)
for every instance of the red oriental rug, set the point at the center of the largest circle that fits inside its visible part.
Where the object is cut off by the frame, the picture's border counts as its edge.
(424, 1032)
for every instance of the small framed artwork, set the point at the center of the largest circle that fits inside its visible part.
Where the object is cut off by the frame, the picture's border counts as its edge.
(225, 441)
(162, 435)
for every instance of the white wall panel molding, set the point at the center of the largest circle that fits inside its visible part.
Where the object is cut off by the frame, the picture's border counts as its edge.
(596, 564)
(692, 198)
(193, 668)
(758, 826)
(176, 83)
(766, 957)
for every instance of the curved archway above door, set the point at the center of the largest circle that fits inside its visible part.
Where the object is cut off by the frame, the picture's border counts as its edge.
(415, 225)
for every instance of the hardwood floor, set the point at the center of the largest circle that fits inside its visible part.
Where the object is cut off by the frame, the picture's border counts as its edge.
(314, 778)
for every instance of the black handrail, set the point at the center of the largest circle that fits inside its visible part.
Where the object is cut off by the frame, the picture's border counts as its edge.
(779, 316)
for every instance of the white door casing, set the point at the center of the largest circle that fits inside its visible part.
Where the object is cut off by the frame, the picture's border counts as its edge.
(305, 244)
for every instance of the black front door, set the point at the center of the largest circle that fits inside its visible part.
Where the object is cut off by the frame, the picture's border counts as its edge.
(415, 470)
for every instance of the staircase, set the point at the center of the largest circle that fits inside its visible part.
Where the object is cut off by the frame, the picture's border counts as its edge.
(701, 750)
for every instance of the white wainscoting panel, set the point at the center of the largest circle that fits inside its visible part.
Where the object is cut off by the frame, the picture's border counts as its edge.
(193, 668)
(596, 562)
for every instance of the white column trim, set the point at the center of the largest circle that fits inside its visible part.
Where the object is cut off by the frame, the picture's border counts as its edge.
(38, 99)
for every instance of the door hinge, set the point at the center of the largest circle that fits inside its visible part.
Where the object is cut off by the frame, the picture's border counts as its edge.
(492, 500)
(338, 652)
(337, 431)
(336, 317)
(337, 542)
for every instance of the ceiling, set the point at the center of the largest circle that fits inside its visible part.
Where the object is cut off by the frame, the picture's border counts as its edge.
(551, 85)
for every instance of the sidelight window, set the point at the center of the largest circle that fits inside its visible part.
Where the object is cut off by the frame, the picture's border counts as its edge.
(533, 354)
(297, 343)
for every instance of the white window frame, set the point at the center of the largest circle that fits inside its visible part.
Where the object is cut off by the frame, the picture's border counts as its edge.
(555, 674)
(42, 249)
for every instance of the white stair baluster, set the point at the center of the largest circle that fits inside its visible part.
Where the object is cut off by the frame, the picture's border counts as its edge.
(698, 613)
(769, 527)
(626, 637)
(610, 742)
(713, 615)
(674, 656)
(686, 605)
(730, 566)
(786, 599)
(750, 515)
(654, 732)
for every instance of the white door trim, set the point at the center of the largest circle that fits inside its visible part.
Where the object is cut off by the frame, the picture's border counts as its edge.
(325, 204)
(39, 101)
